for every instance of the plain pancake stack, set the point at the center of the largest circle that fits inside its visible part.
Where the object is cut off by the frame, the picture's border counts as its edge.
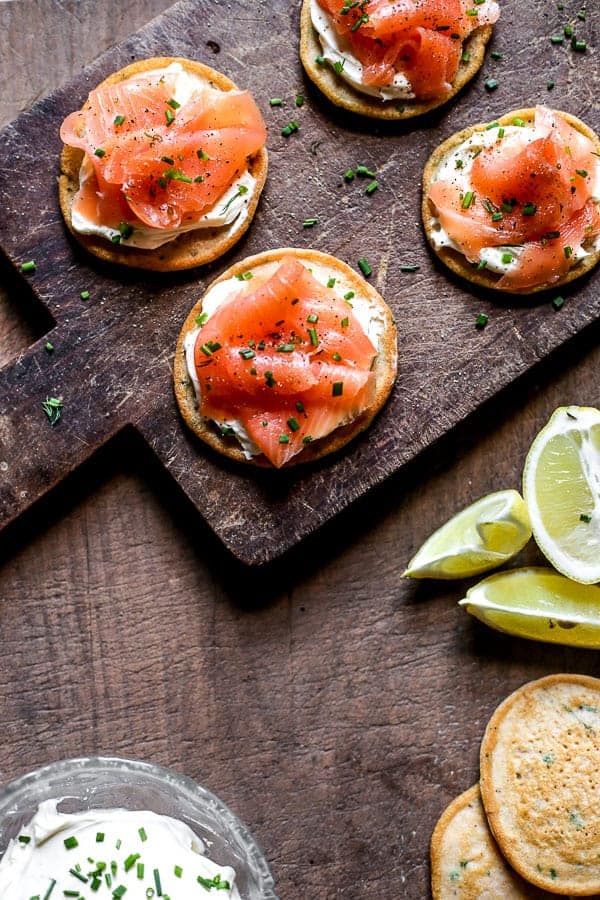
(536, 808)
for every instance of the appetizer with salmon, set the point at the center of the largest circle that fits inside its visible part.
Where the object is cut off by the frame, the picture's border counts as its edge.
(394, 59)
(515, 204)
(163, 166)
(287, 357)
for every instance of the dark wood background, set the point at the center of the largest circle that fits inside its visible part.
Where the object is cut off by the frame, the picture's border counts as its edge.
(334, 706)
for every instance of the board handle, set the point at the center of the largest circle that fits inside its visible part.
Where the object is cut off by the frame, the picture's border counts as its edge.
(55, 412)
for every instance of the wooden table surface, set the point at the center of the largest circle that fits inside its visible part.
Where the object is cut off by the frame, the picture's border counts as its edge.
(335, 707)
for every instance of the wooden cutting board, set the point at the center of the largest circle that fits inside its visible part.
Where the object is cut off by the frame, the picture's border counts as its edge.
(113, 352)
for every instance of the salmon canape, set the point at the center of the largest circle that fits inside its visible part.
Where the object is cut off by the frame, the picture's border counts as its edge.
(287, 357)
(163, 166)
(394, 59)
(515, 204)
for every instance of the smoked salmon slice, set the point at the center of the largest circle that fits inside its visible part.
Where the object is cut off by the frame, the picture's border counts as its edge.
(531, 190)
(156, 161)
(421, 39)
(289, 361)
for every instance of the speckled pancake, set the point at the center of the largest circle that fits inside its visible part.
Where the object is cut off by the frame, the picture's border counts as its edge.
(455, 260)
(465, 860)
(540, 782)
(343, 94)
(194, 248)
(384, 367)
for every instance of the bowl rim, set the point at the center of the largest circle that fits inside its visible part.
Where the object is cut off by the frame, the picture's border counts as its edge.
(197, 791)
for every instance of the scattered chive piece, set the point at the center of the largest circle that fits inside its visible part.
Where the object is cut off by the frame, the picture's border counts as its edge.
(284, 438)
(314, 338)
(556, 39)
(85, 295)
(308, 223)
(168, 160)
(581, 15)
(349, 295)
(99, 152)
(466, 57)
(568, 30)
(410, 267)
(293, 424)
(157, 882)
(28, 266)
(492, 125)
(482, 264)
(71, 842)
(119, 891)
(349, 175)
(520, 123)
(118, 120)
(312, 318)
(472, 12)
(76, 874)
(130, 862)
(468, 200)
(365, 267)
(52, 406)
(289, 128)
(500, 133)
(270, 379)
(337, 388)
(495, 54)
(300, 406)
(458, 164)
(507, 258)
(247, 354)
(400, 108)
(202, 155)
(558, 302)
(299, 100)
(50, 889)
(491, 84)
(320, 60)
(140, 870)
(585, 518)
(125, 230)
(178, 871)
(286, 348)
(24, 839)
(497, 216)
(199, 320)
(549, 85)
(529, 209)
(371, 187)
(579, 46)
(568, 252)
(169, 116)
(582, 172)
(344, 323)
(99, 837)
(364, 172)
(307, 439)
(336, 356)
(275, 101)
(331, 282)
(173, 103)
(481, 320)
(245, 276)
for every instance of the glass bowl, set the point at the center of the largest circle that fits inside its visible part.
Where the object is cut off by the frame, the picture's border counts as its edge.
(110, 782)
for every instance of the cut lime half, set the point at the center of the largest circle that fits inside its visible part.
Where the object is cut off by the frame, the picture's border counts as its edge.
(539, 604)
(481, 537)
(561, 486)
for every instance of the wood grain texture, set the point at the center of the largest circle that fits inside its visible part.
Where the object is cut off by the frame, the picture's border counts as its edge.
(114, 353)
(334, 706)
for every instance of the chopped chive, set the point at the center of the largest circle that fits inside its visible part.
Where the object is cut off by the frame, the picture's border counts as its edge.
(289, 128)
(568, 30)
(472, 12)
(169, 116)
(349, 174)
(71, 842)
(584, 517)
(579, 46)
(199, 320)
(581, 15)
(492, 125)
(468, 200)
(364, 172)
(50, 888)
(500, 133)
(130, 862)
(529, 209)
(24, 839)
(320, 60)
(247, 354)
(270, 379)
(308, 223)
(168, 160)
(275, 101)
(53, 406)
(371, 187)
(582, 172)
(365, 267)
(118, 120)
(173, 103)
(507, 258)
(28, 266)
(293, 424)
(458, 164)
(491, 84)
(331, 282)
(495, 54)
(299, 100)
(410, 267)
(558, 302)
(466, 57)
(99, 152)
(119, 891)
(520, 123)
(284, 438)
(99, 837)
(482, 264)
(157, 882)
(549, 85)
(568, 252)
(336, 356)
(557, 39)
(286, 348)
(48, 347)
(349, 295)
(202, 155)
(337, 388)
(314, 339)
(481, 320)
(312, 318)
(497, 216)
(245, 276)
(76, 874)
(344, 323)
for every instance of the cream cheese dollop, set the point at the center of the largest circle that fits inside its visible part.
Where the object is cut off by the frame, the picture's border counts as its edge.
(131, 851)
(231, 206)
(338, 50)
(368, 314)
(464, 154)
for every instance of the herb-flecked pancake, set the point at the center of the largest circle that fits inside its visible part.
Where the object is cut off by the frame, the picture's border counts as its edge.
(540, 782)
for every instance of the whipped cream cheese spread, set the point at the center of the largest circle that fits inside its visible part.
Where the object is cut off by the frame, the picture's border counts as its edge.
(460, 175)
(366, 311)
(113, 853)
(231, 206)
(336, 49)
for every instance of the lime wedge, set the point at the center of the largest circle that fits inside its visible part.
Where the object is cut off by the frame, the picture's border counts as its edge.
(561, 486)
(540, 604)
(481, 537)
